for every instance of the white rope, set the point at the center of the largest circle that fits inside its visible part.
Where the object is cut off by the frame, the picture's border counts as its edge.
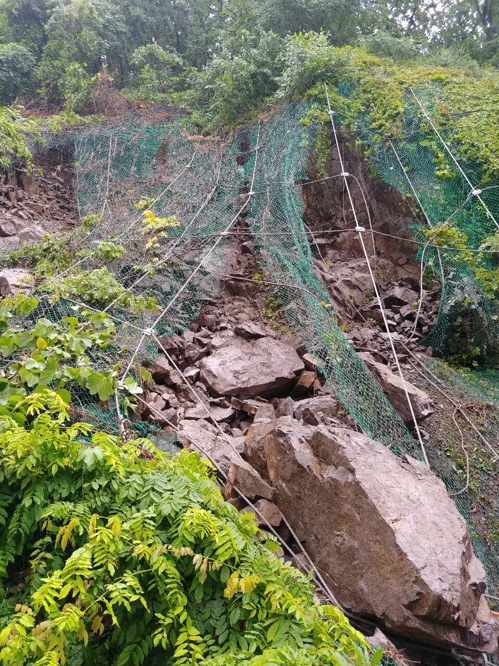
(178, 239)
(108, 173)
(415, 194)
(217, 242)
(461, 434)
(421, 296)
(475, 191)
(278, 234)
(367, 210)
(360, 231)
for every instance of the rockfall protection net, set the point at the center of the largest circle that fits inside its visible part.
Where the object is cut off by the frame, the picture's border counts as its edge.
(205, 185)
(419, 163)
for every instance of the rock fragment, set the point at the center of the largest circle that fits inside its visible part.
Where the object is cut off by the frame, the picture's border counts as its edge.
(250, 368)
(393, 387)
(14, 280)
(246, 479)
(266, 512)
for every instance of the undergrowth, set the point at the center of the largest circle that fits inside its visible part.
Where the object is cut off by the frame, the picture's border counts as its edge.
(114, 554)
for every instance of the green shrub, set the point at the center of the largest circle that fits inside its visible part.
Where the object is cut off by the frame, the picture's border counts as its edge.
(236, 82)
(156, 72)
(114, 554)
(17, 66)
(99, 288)
(14, 132)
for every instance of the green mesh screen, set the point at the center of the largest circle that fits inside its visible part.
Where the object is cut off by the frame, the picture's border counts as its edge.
(205, 184)
(412, 164)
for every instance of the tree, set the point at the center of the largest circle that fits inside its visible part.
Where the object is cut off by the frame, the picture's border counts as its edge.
(156, 69)
(236, 81)
(25, 22)
(17, 65)
(85, 32)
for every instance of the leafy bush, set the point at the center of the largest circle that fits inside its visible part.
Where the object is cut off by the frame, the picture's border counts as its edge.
(122, 556)
(309, 59)
(17, 66)
(156, 72)
(385, 45)
(54, 353)
(50, 255)
(372, 90)
(14, 132)
(99, 288)
(236, 82)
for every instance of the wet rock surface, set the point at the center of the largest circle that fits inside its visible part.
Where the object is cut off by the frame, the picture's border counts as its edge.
(413, 568)
(37, 203)
(246, 369)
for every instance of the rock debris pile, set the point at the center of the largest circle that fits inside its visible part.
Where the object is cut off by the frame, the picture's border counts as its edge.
(251, 399)
(36, 203)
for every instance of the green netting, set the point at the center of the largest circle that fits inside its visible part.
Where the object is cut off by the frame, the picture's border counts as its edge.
(204, 184)
(418, 164)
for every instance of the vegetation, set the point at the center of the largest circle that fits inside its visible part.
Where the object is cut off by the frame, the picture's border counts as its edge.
(14, 131)
(156, 51)
(110, 552)
(116, 554)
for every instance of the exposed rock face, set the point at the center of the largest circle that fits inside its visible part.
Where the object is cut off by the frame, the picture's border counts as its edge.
(248, 481)
(383, 531)
(393, 388)
(203, 436)
(248, 368)
(13, 280)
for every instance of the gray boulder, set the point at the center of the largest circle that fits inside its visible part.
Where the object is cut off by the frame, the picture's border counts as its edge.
(249, 368)
(325, 404)
(393, 387)
(203, 437)
(384, 533)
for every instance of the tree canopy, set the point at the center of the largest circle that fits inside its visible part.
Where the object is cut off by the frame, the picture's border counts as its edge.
(154, 49)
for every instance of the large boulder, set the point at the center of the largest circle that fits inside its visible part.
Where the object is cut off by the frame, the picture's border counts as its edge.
(393, 387)
(384, 533)
(250, 368)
